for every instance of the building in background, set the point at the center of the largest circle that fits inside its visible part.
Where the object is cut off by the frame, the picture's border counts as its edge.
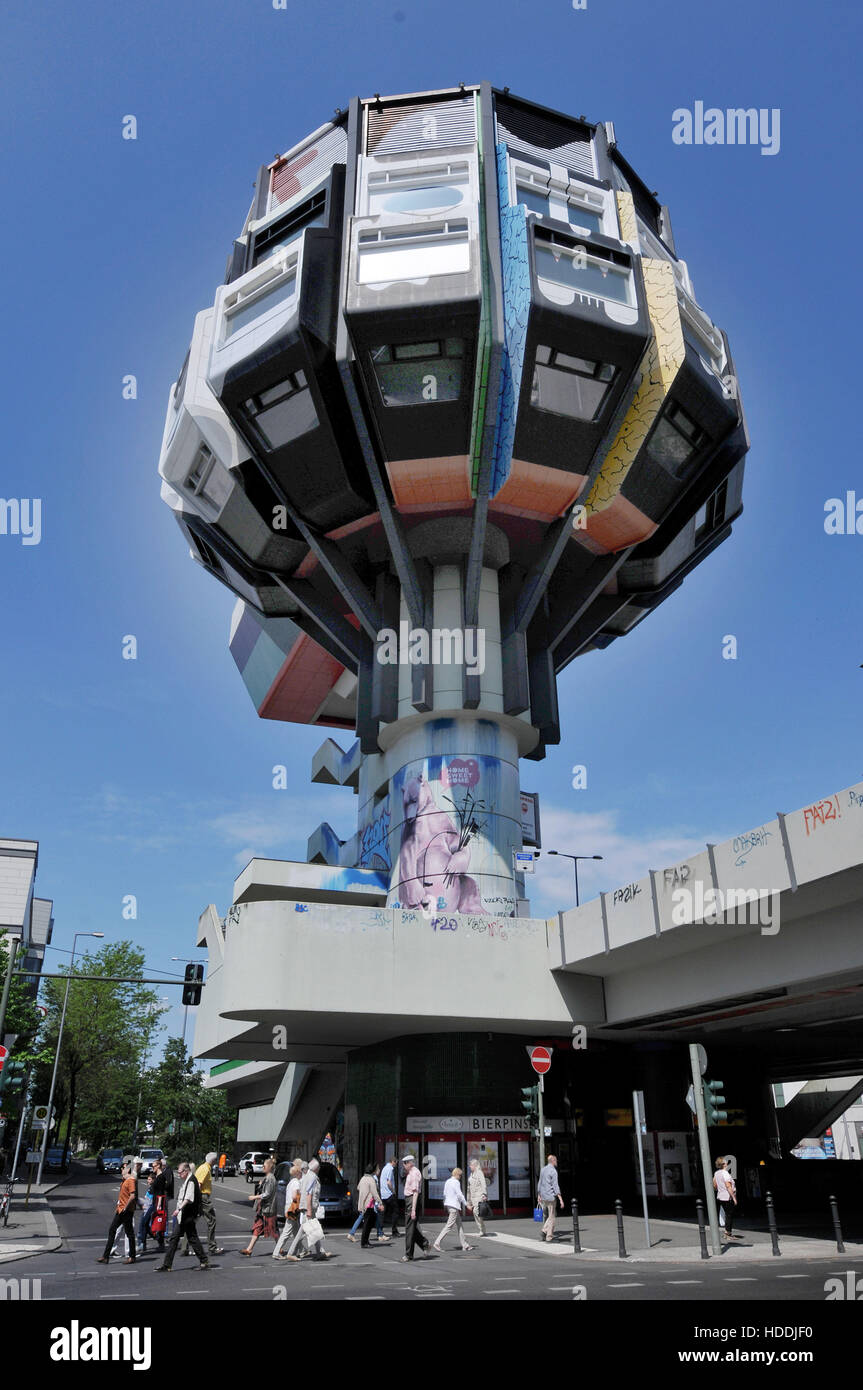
(22, 915)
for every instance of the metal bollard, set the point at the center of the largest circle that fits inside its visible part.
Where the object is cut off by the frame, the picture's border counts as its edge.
(702, 1228)
(771, 1221)
(576, 1234)
(834, 1212)
(621, 1243)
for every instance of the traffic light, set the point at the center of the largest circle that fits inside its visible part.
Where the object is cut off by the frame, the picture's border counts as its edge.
(12, 1076)
(192, 987)
(713, 1099)
(530, 1104)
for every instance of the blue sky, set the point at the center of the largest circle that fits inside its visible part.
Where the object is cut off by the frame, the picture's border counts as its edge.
(153, 777)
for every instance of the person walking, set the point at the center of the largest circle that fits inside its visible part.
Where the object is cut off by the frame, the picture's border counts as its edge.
(726, 1197)
(390, 1195)
(477, 1193)
(292, 1208)
(188, 1210)
(413, 1187)
(548, 1195)
(310, 1232)
(146, 1211)
(204, 1175)
(223, 1162)
(371, 1170)
(454, 1202)
(158, 1221)
(370, 1205)
(265, 1209)
(123, 1216)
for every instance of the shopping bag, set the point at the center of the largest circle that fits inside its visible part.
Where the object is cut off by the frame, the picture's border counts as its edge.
(722, 1215)
(313, 1231)
(537, 1213)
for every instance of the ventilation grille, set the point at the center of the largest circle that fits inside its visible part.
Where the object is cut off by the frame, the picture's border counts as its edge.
(546, 138)
(425, 125)
(308, 167)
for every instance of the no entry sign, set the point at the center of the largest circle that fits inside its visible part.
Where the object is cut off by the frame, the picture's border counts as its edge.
(540, 1059)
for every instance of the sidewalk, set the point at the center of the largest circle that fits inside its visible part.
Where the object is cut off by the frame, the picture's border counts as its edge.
(671, 1242)
(31, 1230)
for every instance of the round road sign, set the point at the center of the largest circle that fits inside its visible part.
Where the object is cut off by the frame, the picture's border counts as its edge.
(540, 1059)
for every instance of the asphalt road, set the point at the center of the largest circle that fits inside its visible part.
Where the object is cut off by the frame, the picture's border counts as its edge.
(492, 1273)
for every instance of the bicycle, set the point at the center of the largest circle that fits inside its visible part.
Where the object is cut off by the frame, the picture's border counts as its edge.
(5, 1202)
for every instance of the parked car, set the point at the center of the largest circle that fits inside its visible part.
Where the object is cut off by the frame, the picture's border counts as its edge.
(145, 1158)
(252, 1164)
(109, 1160)
(336, 1196)
(230, 1168)
(54, 1158)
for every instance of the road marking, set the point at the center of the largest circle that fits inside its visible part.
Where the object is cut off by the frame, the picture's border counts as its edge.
(507, 1276)
(119, 1295)
(794, 1276)
(236, 1217)
(501, 1290)
(740, 1279)
(684, 1281)
(641, 1286)
(330, 1286)
(183, 1292)
(365, 1298)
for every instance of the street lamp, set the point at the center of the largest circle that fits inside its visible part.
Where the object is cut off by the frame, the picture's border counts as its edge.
(575, 858)
(99, 934)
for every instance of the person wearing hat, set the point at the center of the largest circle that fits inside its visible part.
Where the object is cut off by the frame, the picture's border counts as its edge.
(204, 1175)
(413, 1188)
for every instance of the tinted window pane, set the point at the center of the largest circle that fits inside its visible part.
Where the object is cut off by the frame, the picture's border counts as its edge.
(605, 283)
(241, 318)
(287, 420)
(564, 393)
(584, 217)
(291, 235)
(419, 199)
(669, 448)
(534, 200)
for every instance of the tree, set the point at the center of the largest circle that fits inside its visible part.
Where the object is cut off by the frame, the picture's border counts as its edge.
(181, 1102)
(104, 1038)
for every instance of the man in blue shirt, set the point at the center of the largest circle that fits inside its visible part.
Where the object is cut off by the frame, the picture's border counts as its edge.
(389, 1195)
(548, 1195)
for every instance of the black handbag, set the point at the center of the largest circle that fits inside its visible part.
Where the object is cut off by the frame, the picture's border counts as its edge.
(484, 1212)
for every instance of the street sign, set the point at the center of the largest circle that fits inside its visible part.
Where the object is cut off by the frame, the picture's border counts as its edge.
(702, 1058)
(523, 861)
(690, 1098)
(540, 1059)
(638, 1107)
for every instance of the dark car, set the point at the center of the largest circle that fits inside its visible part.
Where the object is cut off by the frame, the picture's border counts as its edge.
(54, 1158)
(336, 1196)
(109, 1160)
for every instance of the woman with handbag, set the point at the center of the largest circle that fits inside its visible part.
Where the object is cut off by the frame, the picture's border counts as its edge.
(726, 1196)
(369, 1203)
(477, 1195)
(265, 1209)
(292, 1208)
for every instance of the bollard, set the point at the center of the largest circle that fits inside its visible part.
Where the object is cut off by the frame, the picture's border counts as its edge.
(702, 1228)
(576, 1235)
(621, 1243)
(771, 1221)
(834, 1212)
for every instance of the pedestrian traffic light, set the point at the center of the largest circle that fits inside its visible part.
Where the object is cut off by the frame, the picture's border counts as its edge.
(713, 1099)
(192, 987)
(530, 1104)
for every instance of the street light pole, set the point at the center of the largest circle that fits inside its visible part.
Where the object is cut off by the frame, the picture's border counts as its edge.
(575, 858)
(99, 934)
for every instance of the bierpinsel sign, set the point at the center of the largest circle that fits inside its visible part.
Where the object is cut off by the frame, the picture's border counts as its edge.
(466, 1124)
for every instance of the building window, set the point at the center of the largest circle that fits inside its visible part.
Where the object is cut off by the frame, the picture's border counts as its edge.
(583, 208)
(584, 271)
(675, 441)
(284, 412)
(261, 295)
(413, 253)
(422, 191)
(572, 386)
(417, 373)
(287, 229)
(711, 516)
